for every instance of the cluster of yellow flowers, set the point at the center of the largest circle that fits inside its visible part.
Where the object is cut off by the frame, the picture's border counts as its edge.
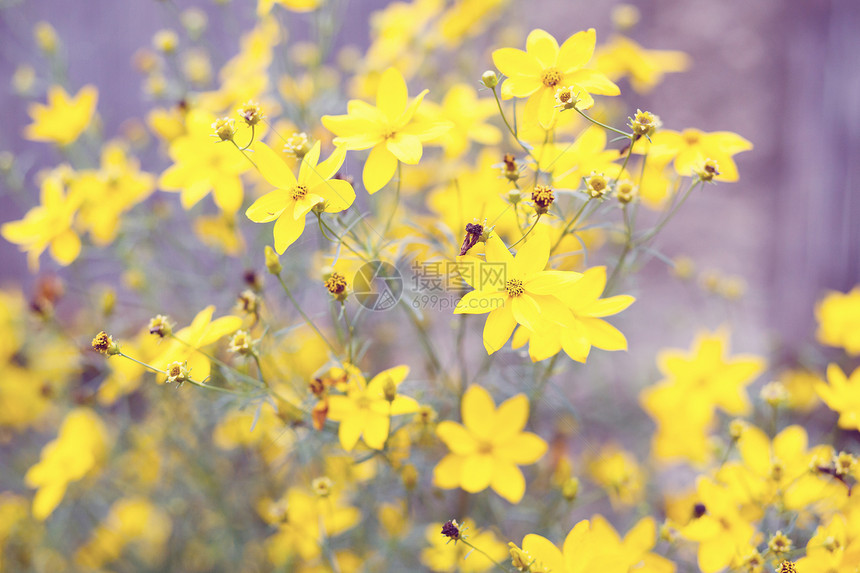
(320, 423)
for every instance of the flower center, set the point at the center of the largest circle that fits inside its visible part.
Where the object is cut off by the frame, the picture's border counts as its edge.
(299, 192)
(691, 136)
(514, 287)
(551, 77)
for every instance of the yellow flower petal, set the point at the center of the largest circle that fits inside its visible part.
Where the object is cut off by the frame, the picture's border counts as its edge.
(379, 169)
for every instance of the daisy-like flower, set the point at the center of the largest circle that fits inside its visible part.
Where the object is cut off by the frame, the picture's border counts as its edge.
(389, 129)
(544, 67)
(366, 409)
(587, 327)
(692, 147)
(64, 118)
(514, 290)
(488, 447)
(295, 197)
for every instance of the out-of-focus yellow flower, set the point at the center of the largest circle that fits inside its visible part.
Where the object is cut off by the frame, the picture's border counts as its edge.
(294, 197)
(220, 232)
(200, 166)
(778, 471)
(366, 409)
(487, 448)
(445, 556)
(842, 395)
(79, 449)
(691, 147)
(476, 193)
(131, 521)
(304, 519)
(514, 290)
(708, 369)
(187, 342)
(265, 6)
(718, 526)
(800, 385)
(618, 472)
(64, 118)
(833, 548)
(545, 67)
(570, 162)
(622, 57)
(167, 123)
(111, 191)
(389, 128)
(254, 427)
(468, 18)
(838, 317)
(468, 114)
(48, 226)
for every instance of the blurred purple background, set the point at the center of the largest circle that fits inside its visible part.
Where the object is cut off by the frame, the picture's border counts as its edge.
(782, 73)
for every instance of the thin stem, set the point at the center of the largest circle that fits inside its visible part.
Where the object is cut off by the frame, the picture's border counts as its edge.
(305, 316)
(484, 553)
(191, 380)
(570, 225)
(603, 125)
(249, 142)
(259, 368)
(523, 238)
(626, 159)
(394, 209)
(242, 151)
(349, 331)
(511, 129)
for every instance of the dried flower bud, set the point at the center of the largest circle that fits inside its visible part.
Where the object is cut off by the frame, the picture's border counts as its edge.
(104, 344)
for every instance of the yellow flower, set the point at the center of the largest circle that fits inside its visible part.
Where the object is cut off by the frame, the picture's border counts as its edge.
(622, 57)
(366, 409)
(64, 119)
(201, 165)
(833, 547)
(585, 327)
(78, 450)
(571, 162)
(132, 520)
(718, 526)
(842, 395)
(514, 290)
(446, 556)
(48, 226)
(293, 198)
(544, 67)
(304, 520)
(618, 472)
(265, 6)
(692, 147)
(838, 317)
(778, 470)
(468, 114)
(487, 448)
(389, 128)
(184, 347)
(110, 192)
(707, 370)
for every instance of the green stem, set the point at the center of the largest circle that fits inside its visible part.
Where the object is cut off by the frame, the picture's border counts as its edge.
(305, 316)
(484, 553)
(523, 238)
(191, 380)
(603, 125)
(570, 224)
(511, 129)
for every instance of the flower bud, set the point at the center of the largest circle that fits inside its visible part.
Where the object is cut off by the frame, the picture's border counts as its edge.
(490, 79)
(273, 263)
